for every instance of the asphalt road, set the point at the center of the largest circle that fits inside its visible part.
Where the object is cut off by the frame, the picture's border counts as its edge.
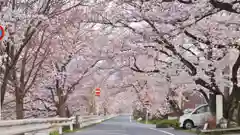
(122, 125)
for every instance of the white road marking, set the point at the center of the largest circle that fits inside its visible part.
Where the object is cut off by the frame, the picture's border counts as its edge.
(103, 130)
(116, 134)
(162, 131)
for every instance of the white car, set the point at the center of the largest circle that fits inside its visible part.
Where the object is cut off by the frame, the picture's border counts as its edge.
(195, 118)
(187, 111)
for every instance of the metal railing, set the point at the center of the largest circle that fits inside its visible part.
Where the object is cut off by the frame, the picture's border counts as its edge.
(44, 126)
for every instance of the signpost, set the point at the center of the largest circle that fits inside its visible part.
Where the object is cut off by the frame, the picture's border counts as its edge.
(2, 32)
(147, 105)
(97, 92)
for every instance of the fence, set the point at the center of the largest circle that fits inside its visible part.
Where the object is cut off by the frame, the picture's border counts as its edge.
(43, 126)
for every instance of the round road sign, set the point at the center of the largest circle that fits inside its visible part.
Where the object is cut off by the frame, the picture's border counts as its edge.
(1, 32)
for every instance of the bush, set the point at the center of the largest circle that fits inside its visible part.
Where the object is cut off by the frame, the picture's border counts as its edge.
(155, 121)
(168, 123)
(66, 129)
(54, 133)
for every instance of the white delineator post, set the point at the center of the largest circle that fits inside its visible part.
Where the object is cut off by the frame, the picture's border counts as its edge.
(60, 131)
(219, 108)
(71, 126)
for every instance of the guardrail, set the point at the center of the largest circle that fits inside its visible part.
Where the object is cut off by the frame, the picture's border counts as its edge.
(44, 126)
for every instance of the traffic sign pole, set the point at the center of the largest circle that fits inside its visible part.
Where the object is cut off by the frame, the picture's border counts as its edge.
(146, 117)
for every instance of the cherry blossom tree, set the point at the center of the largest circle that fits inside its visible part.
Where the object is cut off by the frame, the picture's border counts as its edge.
(22, 21)
(168, 45)
(23, 78)
(183, 32)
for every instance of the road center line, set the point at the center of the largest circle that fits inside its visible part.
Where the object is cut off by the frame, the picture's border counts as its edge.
(116, 134)
(162, 131)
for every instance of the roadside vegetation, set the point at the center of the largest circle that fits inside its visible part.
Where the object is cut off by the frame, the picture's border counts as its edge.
(65, 130)
(159, 121)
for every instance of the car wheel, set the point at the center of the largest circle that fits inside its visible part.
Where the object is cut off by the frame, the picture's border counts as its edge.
(188, 124)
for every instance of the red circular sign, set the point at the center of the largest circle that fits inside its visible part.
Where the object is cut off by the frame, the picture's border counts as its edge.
(97, 92)
(1, 32)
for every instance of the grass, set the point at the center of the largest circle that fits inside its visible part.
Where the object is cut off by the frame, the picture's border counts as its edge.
(150, 121)
(65, 130)
(54, 133)
(168, 123)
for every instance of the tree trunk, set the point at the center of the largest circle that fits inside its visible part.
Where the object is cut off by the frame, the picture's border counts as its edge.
(238, 114)
(105, 111)
(233, 103)
(4, 86)
(212, 104)
(19, 104)
(226, 102)
(68, 113)
(92, 109)
(61, 109)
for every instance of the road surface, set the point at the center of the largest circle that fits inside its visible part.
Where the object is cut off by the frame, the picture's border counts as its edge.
(122, 125)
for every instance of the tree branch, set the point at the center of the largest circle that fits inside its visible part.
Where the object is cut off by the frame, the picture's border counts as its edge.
(158, 50)
(225, 6)
(137, 69)
(208, 86)
(204, 94)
